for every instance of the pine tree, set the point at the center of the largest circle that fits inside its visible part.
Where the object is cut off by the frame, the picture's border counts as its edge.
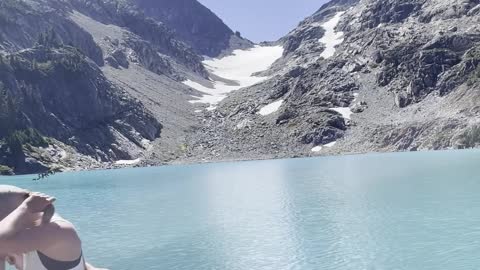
(41, 39)
(34, 65)
(8, 112)
(53, 39)
(12, 60)
(49, 39)
(4, 111)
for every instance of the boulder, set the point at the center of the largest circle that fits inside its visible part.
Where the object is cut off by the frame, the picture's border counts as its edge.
(121, 58)
(111, 61)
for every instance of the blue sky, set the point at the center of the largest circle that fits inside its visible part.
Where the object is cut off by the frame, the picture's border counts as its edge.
(263, 20)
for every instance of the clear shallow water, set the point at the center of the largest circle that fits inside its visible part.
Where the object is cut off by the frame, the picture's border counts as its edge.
(382, 211)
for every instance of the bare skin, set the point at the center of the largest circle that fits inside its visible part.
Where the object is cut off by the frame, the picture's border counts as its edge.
(23, 231)
(15, 260)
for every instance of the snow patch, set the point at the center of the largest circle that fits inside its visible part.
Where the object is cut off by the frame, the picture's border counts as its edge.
(128, 162)
(233, 72)
(245, 123)
(320, 147)
(271, 108)
(63, 154)
(331, 38)
(213, 95)
(330, 144)
(355, 97)
(147, 144)
(345, 112)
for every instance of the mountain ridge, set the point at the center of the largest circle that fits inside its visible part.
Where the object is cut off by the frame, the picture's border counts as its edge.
(356, 76)
(107, 43)
(398, 81)
(194, 24)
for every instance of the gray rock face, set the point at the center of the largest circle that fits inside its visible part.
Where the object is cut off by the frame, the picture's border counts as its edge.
(388, 12)
(21, 23)
(193, 23)
(403, 78)
(160, 37)
(407, 70)
(63, 95)
(120, 58)
(148, 57)
(300, 36)
(52, 74)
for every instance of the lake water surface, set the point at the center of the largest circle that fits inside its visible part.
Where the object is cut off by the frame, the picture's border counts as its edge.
(380, 211)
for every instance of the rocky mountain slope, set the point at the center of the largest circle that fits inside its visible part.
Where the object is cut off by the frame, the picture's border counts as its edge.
(94, 83)
(359, 76)
(59, 93)
(194, 24)
(106, 83)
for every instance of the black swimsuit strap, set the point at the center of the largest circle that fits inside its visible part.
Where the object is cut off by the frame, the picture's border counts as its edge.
(51, 264)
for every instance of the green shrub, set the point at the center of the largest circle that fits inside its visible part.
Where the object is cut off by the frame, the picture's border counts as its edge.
(474, 77)
(5, 170)
(476, 73)
(27, 136)
(7, 112)
(473, 53)
(471, 137)
(49, 39)
(183, 147)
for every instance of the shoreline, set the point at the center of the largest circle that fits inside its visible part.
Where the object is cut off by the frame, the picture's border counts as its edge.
(187, 162)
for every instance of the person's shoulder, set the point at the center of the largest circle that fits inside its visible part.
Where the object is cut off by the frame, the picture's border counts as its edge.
(61, 222)
(65, 230)
(64, 242)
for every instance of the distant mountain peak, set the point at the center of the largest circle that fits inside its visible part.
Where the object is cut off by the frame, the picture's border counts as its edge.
(194, 24)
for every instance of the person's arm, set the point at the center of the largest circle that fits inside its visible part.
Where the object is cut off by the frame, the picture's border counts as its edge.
(24, 215)
(15, 222)
(40, 238)
(17, 235)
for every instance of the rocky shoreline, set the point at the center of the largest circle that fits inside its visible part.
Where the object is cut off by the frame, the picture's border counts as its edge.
(192, 161)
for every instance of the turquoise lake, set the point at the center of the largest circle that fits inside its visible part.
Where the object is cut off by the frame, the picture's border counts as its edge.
(374, 212)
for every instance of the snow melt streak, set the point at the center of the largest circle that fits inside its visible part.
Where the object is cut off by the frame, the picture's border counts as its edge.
(271, 108)
(331, 38)
(235, 72)
(128, 162)
(345, 112)
(320, 147)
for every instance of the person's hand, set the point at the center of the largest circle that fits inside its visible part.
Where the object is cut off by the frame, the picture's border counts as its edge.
(15, 260)
(38, 202)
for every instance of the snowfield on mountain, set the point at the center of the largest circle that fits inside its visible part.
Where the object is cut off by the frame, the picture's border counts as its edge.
(233, 72)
